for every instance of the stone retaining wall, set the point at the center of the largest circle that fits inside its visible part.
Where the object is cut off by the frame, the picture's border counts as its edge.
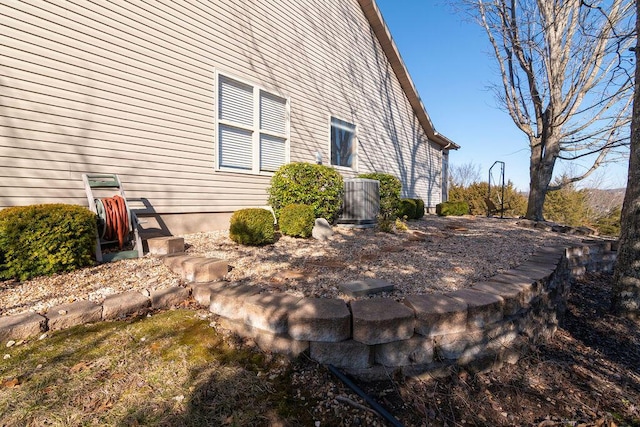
(479, 328)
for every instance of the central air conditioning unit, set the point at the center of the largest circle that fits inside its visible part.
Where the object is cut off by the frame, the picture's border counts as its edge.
(361, 203)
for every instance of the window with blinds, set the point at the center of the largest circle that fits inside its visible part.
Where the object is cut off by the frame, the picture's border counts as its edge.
(252, 128)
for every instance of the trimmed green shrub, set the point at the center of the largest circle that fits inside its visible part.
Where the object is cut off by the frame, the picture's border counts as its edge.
(452, 208)
(390, 188)
(318, 186)
(42, 240)
(419, 208)
(253, 226)
(297, 220)
(408, 208)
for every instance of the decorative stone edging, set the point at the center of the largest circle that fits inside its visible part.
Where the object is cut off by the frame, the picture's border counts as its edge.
(25, 325)
(478, 328)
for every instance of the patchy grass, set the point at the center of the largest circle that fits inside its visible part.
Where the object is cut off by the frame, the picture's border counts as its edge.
(168, 369)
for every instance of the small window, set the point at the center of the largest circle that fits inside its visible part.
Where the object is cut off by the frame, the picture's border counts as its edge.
(343, 148)
(252, 128)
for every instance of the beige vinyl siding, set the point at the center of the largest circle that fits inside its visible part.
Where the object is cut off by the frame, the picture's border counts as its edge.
(129, 88)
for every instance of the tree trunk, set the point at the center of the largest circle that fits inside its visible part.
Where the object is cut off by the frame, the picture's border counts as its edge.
(541, 163)
(626, 285)
(536, 201)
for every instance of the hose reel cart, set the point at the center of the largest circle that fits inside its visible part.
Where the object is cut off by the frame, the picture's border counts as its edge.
(117, 223)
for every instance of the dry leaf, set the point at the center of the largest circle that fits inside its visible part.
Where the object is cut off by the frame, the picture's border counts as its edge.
(15, 382)
(79, 367)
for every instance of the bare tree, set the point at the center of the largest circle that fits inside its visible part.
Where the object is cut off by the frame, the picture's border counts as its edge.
(564, 79)
(626, 286)
(464, 174)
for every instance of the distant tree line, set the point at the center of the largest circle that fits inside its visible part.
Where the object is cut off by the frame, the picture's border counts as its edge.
(568, 205)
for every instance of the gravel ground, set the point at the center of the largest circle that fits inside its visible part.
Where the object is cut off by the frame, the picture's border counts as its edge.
(435, 254)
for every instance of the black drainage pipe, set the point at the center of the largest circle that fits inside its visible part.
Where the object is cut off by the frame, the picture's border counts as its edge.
(375, 405)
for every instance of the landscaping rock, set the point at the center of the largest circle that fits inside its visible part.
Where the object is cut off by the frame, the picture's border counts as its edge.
(124, 304)
(320, 319)
(229, 301)
(536, 271)
(165, 245)
(344, 354)
(464, 346)
(174, 262)
(266, 341)
(269, 311)
(437, 314)
(529, 287)
(168, 297)
(502, 335)
(378, 321)
(576, 251)
(76, 313)
(21, 326)
(483, 308)
(203, 269)
(512, 295)
(202, 292)
(322, 230)
(415, 350)
(365, 287)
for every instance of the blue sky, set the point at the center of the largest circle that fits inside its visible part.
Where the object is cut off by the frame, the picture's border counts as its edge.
(450, 63)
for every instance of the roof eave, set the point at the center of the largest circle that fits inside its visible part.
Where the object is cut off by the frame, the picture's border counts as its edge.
(390, 49)
(445, 142)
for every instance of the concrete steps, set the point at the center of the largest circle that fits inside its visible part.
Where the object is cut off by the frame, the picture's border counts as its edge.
(196, 269)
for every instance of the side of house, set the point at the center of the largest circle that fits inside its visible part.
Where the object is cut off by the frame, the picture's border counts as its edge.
(194, 103)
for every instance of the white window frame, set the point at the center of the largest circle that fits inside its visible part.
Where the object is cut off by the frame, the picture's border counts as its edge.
(354, 163)
(255, 129)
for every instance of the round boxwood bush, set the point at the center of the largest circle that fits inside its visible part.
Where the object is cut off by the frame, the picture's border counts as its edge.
(308, 184)
(390, 188)
(452, 208)
(408, 208)
(252, 226)
(297, 220)
(419, 208)
(40, 240)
